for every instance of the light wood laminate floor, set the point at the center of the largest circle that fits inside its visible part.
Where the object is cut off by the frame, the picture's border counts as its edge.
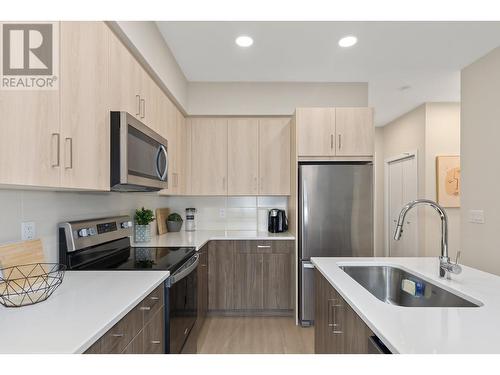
(254, 335)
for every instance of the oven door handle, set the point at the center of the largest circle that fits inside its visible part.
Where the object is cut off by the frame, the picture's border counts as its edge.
(184, 270)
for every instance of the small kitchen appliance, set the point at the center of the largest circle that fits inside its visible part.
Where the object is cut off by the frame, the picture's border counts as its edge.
(277, 221)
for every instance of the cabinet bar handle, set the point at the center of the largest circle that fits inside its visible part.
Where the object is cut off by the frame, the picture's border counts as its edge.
(331, 141)
(156, 342)
(138, 98)
(263, 246)
(57, 147)
(143, 102)
(145, 308)
(154, 298)
(117, 335)
(340, 141)
(69, 143)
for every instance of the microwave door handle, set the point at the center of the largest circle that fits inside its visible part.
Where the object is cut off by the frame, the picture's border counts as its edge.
(161, 175)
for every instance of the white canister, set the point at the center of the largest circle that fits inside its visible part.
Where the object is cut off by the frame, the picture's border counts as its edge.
(190, 219)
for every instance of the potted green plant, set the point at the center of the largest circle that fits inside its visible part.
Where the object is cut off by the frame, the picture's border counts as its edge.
(143, 218)
(174, 222)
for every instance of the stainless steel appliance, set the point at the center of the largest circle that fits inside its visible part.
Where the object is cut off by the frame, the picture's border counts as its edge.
(277, 221)
(104, 244)
(139, 157)
(335, 220)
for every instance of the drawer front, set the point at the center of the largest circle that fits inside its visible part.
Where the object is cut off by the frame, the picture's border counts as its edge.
(136, 346)
(154, 338)
(265, 246)
(122, 333)
(152, 303)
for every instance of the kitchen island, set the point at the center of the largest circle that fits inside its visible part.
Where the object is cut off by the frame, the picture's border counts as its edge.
(81, 310)
(423, 329)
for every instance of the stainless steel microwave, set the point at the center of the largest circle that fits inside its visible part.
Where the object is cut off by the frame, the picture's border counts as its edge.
(139, 156)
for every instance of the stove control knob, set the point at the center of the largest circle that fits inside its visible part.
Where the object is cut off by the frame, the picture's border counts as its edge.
(83, 232)
(92, 231)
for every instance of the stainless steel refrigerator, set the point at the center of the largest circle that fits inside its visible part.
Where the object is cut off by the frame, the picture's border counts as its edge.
(335, 219)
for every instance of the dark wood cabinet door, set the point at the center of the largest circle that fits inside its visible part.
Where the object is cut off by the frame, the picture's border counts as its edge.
(153, 334)
(326, 339)
(248, 279)
(202, 286)
(136, 346)
(277, 279)
(220, 275)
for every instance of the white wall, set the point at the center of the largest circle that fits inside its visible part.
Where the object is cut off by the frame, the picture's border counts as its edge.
(442, 131)
(146, 39)
(271, 98)
(480, 133)
(431, 129)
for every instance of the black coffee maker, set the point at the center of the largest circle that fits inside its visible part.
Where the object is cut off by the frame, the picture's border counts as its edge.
(277, 221)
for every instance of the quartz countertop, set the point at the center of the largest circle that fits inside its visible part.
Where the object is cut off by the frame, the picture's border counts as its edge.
(424, 329)
(199, 238)
(84, 307)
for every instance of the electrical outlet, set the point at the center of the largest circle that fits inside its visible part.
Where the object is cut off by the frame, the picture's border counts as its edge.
(222, 213)
(476, 216)
(28, 230)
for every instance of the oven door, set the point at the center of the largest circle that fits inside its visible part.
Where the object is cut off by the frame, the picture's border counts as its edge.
(139, 157)
(182, 306)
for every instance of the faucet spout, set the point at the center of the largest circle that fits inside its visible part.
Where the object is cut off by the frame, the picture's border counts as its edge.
(444, 260)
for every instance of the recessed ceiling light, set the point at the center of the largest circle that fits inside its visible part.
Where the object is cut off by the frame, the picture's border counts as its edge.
(244, 41)
(348, 41)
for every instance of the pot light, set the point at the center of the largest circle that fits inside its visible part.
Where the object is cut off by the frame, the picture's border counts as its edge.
(244, 41)
(348, 41)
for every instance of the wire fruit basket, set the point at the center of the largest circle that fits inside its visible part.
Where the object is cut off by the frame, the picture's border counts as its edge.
(30, 283)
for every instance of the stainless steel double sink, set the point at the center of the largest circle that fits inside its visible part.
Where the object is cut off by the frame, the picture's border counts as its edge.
(396, 286)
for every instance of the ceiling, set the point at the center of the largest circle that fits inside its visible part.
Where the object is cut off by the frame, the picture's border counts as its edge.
(426, 56)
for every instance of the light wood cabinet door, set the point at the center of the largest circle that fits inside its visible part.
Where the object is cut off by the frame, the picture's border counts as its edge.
(180, 154)
(315, 131)
(125, 79)
(30, 138)
(274, 156)
(208, 156)
(152, 105)
(85, 105)
(354, 129)
(243, 156)
(169, 132)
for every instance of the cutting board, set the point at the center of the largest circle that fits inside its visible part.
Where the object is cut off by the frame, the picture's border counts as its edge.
(161, 219)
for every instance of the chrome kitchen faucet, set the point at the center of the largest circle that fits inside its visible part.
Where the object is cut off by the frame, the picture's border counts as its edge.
(445, 266)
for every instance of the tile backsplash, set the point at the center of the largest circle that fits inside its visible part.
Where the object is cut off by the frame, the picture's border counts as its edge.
(47, 208)
(229, 213)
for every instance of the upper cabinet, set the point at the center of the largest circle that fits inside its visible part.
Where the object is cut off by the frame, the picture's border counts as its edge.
(274, 156)
(354, 128)
(243, 156)
(315, 131)
(208, 156)
(327, 132)
(30, 138)
(84, 154)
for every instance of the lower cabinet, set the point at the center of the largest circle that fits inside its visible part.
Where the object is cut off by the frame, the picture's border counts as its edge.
(202, 286)
(251, 277)
(337, 328)
(141, 331)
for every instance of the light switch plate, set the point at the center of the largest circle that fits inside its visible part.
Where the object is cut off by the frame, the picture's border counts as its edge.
(476, 216)
(28, 231)
(222, 213)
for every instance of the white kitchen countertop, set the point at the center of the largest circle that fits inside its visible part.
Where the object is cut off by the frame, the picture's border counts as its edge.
(84, 307)
(425, 329)
(199, 238)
